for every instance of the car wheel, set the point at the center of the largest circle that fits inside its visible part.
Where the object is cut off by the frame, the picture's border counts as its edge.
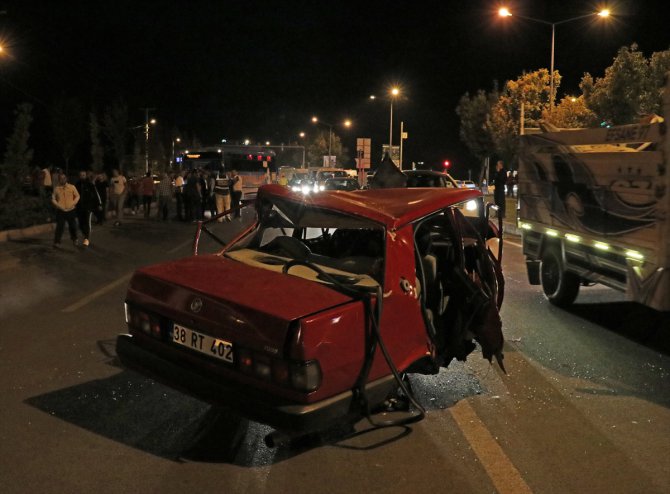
(560, 286)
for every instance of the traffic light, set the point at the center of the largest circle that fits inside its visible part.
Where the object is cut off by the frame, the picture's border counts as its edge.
(446, 164)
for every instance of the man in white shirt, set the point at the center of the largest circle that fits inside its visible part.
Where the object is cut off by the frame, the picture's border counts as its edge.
(65, 198)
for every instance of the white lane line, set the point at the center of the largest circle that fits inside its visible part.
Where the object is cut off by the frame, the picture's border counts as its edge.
(512, 243)
(98, 293)
(180, 246)
(504, 475)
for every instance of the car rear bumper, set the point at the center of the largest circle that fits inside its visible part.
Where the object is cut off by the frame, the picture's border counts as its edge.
(247, 402)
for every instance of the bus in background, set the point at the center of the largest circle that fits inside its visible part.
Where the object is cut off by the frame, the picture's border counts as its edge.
(204, 160)
(255, 165)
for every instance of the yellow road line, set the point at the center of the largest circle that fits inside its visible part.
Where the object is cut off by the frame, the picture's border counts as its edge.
(98, 293)
(504, 475)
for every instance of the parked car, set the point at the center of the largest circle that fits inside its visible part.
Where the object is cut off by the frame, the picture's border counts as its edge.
(468, 184)
(342, 183)
(428, 178)
(315, 312)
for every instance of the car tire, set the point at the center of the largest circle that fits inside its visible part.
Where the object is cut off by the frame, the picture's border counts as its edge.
(559, 285)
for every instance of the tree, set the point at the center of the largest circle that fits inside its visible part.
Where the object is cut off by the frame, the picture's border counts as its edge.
(621, 95)
(68, 124)
(317, 148)
(572, 113)
(97, 152)
(115, 129)
(18, 154)
(530, 91)
(473, 112)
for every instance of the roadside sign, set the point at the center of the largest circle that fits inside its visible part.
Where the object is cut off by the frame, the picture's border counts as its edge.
(363, 147)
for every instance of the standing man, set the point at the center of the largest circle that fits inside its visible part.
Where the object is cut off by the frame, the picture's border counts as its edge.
(89, 201)
(164, 192)
(222, 195)
(65, 198)
(499, 181)
(236, 191)
(118, 189)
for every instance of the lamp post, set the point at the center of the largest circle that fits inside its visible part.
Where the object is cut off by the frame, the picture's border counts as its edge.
(146, 136)
(346, 123)
(173, 141)
(505, 12)
(394, 92)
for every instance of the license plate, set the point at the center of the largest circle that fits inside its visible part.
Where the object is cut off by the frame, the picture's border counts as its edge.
(208, 345)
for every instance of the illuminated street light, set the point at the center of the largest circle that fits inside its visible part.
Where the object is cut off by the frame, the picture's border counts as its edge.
(146, 136)
(302, 134)
(505, 12)
(267, 143)
(394, 92)
(176, 139)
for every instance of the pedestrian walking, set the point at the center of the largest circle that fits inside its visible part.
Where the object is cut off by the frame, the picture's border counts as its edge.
(65, 198)
(236, 193)
(164, 193)
(89, 201)
(147, 193)
(102, 186)
(499, 181)
(118, 189)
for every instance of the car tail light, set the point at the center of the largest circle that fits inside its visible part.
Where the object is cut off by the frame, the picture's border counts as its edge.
(306, 376)
(140, 320)
(301, 376)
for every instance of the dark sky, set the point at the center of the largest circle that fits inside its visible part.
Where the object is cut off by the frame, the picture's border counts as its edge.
(260, 70)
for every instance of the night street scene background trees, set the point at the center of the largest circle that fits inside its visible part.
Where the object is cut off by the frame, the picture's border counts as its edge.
(74, 77)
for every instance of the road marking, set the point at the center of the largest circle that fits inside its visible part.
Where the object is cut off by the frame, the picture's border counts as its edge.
(98, 293)
(180, 246)
(512, 243)
(504, 475)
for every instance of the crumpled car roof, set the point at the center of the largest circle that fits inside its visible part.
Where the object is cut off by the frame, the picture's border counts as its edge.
(391, 207)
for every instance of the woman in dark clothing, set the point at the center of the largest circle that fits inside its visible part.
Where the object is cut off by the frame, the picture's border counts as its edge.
(102, 186)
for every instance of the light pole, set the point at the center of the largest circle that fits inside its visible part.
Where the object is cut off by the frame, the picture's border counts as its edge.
(394, 92)
(146, 136)
(504, 12)
(173, 141)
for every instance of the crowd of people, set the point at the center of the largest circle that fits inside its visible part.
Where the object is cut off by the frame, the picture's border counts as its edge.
(95, 197)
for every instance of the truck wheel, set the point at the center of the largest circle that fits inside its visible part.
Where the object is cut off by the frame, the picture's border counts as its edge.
(559, 286)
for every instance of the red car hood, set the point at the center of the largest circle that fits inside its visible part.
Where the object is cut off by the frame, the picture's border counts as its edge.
(275, 295)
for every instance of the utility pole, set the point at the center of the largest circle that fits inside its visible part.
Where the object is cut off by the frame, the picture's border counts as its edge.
(146, 137)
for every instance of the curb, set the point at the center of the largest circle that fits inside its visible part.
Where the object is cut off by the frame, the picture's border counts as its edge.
(28, 232)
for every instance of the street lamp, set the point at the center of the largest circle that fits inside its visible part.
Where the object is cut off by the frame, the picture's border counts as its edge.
(146, 136)
(394, 92)
(505, 12)
(173, 141)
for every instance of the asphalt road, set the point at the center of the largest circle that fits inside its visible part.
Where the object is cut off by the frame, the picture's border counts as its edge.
(584, 406)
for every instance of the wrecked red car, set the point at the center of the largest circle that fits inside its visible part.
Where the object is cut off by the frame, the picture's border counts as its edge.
(315, 313)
